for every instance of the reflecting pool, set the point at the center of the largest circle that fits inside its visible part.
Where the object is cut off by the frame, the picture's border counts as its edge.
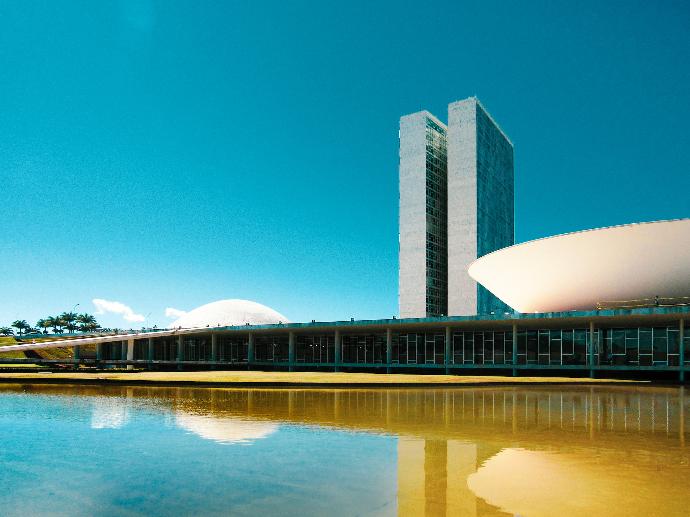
(530, 451)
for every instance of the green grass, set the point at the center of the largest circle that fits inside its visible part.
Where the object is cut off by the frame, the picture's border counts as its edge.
(65, 352)
(6, 341)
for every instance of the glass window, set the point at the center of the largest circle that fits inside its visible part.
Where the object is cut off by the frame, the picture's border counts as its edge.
(645, 341)
(555, 347)
(659, 344)
(532, 347)
(478, 348)
(631, 346)
(618, 341)
(580, 343)
(469, 347)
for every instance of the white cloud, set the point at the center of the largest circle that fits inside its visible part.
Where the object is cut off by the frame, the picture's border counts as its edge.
(103, 306)
(171, 312)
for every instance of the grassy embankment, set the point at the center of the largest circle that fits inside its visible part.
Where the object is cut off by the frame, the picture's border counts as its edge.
(48, 353)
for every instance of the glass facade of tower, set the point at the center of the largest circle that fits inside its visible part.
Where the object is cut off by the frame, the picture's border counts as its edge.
(495, 199)
(436, 220)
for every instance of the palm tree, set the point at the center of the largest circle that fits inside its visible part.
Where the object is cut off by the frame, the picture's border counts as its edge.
(69, 319)
(6, 331)
(53, 322)
(21, 325)
(87, 322)
(44, 323)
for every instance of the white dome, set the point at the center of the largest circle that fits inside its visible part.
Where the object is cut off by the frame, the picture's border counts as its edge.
(229, 313)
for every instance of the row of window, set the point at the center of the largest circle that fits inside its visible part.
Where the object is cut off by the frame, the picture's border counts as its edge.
(643, 346)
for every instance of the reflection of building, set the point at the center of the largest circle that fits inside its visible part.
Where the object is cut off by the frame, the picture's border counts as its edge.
(480, 451)
(432, 477)
(224, 429)
(109, 413)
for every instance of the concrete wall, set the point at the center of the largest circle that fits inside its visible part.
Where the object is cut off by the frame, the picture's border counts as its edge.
(462, 206)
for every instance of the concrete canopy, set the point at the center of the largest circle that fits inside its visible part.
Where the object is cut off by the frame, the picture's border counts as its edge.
(577, 271)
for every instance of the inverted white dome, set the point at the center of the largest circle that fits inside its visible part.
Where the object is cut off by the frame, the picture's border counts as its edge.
(228, 313)
(577, 271)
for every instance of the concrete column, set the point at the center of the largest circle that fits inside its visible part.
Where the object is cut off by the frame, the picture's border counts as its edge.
(291, 350)
(151, 352)
(447, 353)
(180, 351)
(250, 348)
(515, 350)
(214, 347)
(389, 349)
(130, 353)
(591, 349)
(338, 351)
(99, 351)
(75, 353)
(123, 350)
(681, 348)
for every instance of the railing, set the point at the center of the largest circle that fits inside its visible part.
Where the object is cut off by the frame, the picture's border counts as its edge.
(657, 301)
(80, 334)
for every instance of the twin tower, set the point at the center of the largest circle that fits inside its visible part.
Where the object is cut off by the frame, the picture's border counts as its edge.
(456, 205)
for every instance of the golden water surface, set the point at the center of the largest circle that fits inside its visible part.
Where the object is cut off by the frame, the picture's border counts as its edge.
(532, 451)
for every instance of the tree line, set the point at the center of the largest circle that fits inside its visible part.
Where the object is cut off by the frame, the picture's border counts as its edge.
(67, 321)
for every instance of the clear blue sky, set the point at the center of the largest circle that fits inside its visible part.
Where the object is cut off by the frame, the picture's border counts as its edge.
(168, 153)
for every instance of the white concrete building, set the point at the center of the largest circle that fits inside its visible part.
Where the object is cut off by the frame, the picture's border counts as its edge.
(456, 204)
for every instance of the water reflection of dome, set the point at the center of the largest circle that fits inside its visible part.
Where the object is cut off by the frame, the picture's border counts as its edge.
(109, 413)
(229, 313)
(539, 483)
(225, 429)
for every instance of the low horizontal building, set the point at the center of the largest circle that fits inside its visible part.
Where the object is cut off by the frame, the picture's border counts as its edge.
(652, 339)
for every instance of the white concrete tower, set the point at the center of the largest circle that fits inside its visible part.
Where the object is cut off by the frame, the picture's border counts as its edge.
(423, 257)
(480, 202)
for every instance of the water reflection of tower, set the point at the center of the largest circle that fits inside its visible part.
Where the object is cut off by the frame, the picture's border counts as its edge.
(432, 477)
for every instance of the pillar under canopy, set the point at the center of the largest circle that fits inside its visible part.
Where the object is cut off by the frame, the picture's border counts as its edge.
(214, 347)
(591, 349)
(130, 353)
(180, 351)
(447, 350)
(681, 349)
(338, 351)
(291, 351)
(250, 349)
(389, 349)
(515, 350)
(151, 352)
